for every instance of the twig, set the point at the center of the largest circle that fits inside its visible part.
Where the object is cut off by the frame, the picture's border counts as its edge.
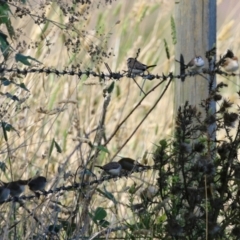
(145, 117)
(131, 112)
(206, 205)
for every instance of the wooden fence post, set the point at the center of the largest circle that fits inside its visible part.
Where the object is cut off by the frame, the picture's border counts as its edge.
(195, 22)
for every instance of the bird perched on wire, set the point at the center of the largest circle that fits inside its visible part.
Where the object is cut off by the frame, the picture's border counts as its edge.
(196, 64)
(136, 67)
(229, 62)
(37, 183)
(4, 193)
(130, 165)
(112, 168)
(16, 187)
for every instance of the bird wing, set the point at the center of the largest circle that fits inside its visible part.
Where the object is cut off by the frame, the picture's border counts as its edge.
(141, 66)
(111, 165)
(191, 63)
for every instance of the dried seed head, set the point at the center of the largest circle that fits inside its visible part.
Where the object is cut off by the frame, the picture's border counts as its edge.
(211, 119)
(229, 119)
(198, 147)
(217, 97)
(223, 150)
(225, 105)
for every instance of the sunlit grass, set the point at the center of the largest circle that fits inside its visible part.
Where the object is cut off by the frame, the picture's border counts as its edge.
(143, 25)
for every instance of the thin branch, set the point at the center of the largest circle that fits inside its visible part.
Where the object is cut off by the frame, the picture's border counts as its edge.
(145, 117)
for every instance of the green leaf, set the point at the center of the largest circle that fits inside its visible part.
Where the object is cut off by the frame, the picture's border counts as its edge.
(162, 218)
(4, 9)
(4, 45)
(166, 48)
(163, 143)
(10, 29)
(5, 81)
(109, 195)
(3, 166)
(7, 128)
(51, 148)
(59, 150)
(111, 87)
(102, 148)
(99, 214)
(24, 59)
(4, 131)
(118, 92)
(173, 28)
(22, 85)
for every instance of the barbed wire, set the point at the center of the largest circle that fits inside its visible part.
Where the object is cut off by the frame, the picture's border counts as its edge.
(112, 75)
(75, 71)
(77, 186)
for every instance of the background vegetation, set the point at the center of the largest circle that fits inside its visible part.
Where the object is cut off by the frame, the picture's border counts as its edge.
(55, 119)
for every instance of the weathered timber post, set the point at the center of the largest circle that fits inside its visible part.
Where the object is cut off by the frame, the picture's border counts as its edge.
(196, 33)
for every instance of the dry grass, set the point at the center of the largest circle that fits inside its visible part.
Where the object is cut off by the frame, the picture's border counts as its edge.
(144, 25)
(37, 130)
(77, 103)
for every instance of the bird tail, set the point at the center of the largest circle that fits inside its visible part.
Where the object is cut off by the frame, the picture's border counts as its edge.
(98, 166)
(151, 66)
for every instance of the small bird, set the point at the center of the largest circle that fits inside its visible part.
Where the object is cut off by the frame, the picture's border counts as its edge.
(129, 164)
(135, 67)
(112, 168)
(196, 64)
(229, 62)
(37, 183)
(4, 194)
(16, 187)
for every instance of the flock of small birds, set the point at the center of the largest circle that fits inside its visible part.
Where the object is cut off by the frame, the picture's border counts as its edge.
(123, 166)
(16, 188)
(229, 62)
